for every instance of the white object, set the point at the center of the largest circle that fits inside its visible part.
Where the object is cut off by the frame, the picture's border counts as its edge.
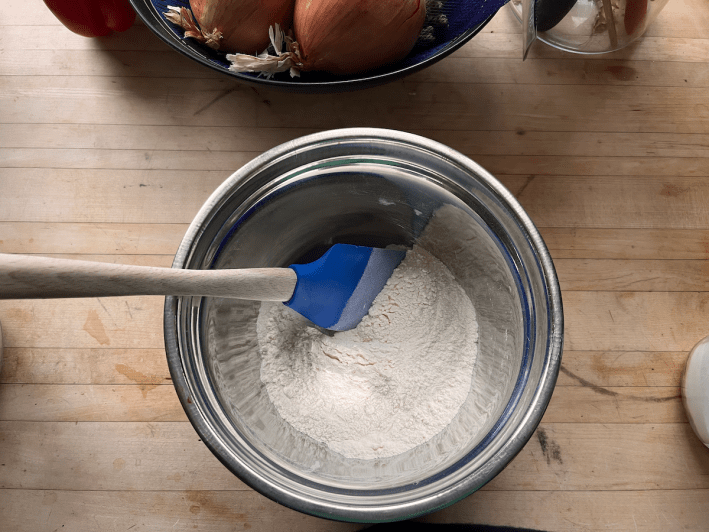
(392, 383)
(695, 389)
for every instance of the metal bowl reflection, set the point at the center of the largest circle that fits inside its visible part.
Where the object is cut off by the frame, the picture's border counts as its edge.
(369, 187)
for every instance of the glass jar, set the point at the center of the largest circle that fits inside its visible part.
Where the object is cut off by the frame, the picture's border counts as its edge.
(581, 26)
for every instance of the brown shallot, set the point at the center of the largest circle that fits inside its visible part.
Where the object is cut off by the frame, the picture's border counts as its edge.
(340, 37)
(232, 25)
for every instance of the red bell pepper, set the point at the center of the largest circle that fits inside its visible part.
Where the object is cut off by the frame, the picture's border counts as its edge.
(93, 18)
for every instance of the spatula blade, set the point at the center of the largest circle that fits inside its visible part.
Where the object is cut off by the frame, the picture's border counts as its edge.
(336, 291)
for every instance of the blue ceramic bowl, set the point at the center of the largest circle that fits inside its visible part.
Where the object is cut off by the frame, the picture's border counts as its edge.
(465, 18)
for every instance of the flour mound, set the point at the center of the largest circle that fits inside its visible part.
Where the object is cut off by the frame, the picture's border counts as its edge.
(389, 385)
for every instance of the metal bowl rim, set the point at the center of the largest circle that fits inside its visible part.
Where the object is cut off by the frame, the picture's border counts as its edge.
(437, 500)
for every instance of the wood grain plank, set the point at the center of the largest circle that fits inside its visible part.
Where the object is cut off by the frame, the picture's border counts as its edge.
(499, 107)
(108, 366)
(585, 249)
(680, 17)
(119, 239)
(678, 47)
(489, 44)
(613, 321)
(163, 63)
(615, 202)
(22, 365)
(180, 162)
(119, 100)
(578, 243)
(499, 43)
(123, 196)
(402, 105)
(114, 196)
(598, 404)
(608, 457)
(177, 138)
(622, 368)
(163, 239)
(113, 456)
(97, 366)
(685, 68)
(128, 323)
(141, 511)
(227, 511)
(151, 400)
(588, 145)
(56, 37)
(594, 166)
(582, 510)
(229, 161)
(28, 13)
(633, 275)
(594, 321)
(89, 365)
(568, 457)
(676, 71)
(642, 244)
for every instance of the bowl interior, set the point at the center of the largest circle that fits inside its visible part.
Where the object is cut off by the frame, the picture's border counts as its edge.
(456, 22)
(290, 208)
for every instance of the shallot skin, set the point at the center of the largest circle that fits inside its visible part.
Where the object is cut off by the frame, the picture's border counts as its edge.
(353, 36)
(243, 23)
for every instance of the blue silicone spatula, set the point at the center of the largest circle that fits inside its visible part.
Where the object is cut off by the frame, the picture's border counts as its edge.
(333, 292)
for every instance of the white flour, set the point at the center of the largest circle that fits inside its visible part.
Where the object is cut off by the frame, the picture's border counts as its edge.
(392, 383)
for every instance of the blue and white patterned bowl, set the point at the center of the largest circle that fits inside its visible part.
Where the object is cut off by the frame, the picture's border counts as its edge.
(465, 18)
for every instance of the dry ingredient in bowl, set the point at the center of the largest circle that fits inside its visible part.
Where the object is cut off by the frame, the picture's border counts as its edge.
(392, 383)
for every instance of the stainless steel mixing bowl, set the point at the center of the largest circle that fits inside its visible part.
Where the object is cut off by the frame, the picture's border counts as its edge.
(369, 187)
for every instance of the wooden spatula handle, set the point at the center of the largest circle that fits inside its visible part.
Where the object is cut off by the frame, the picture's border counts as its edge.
(31, 277)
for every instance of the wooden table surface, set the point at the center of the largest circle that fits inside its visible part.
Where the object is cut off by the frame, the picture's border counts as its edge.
(108, 148)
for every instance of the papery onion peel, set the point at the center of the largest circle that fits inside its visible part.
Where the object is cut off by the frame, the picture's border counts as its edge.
(232, 25)
(340, 37)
